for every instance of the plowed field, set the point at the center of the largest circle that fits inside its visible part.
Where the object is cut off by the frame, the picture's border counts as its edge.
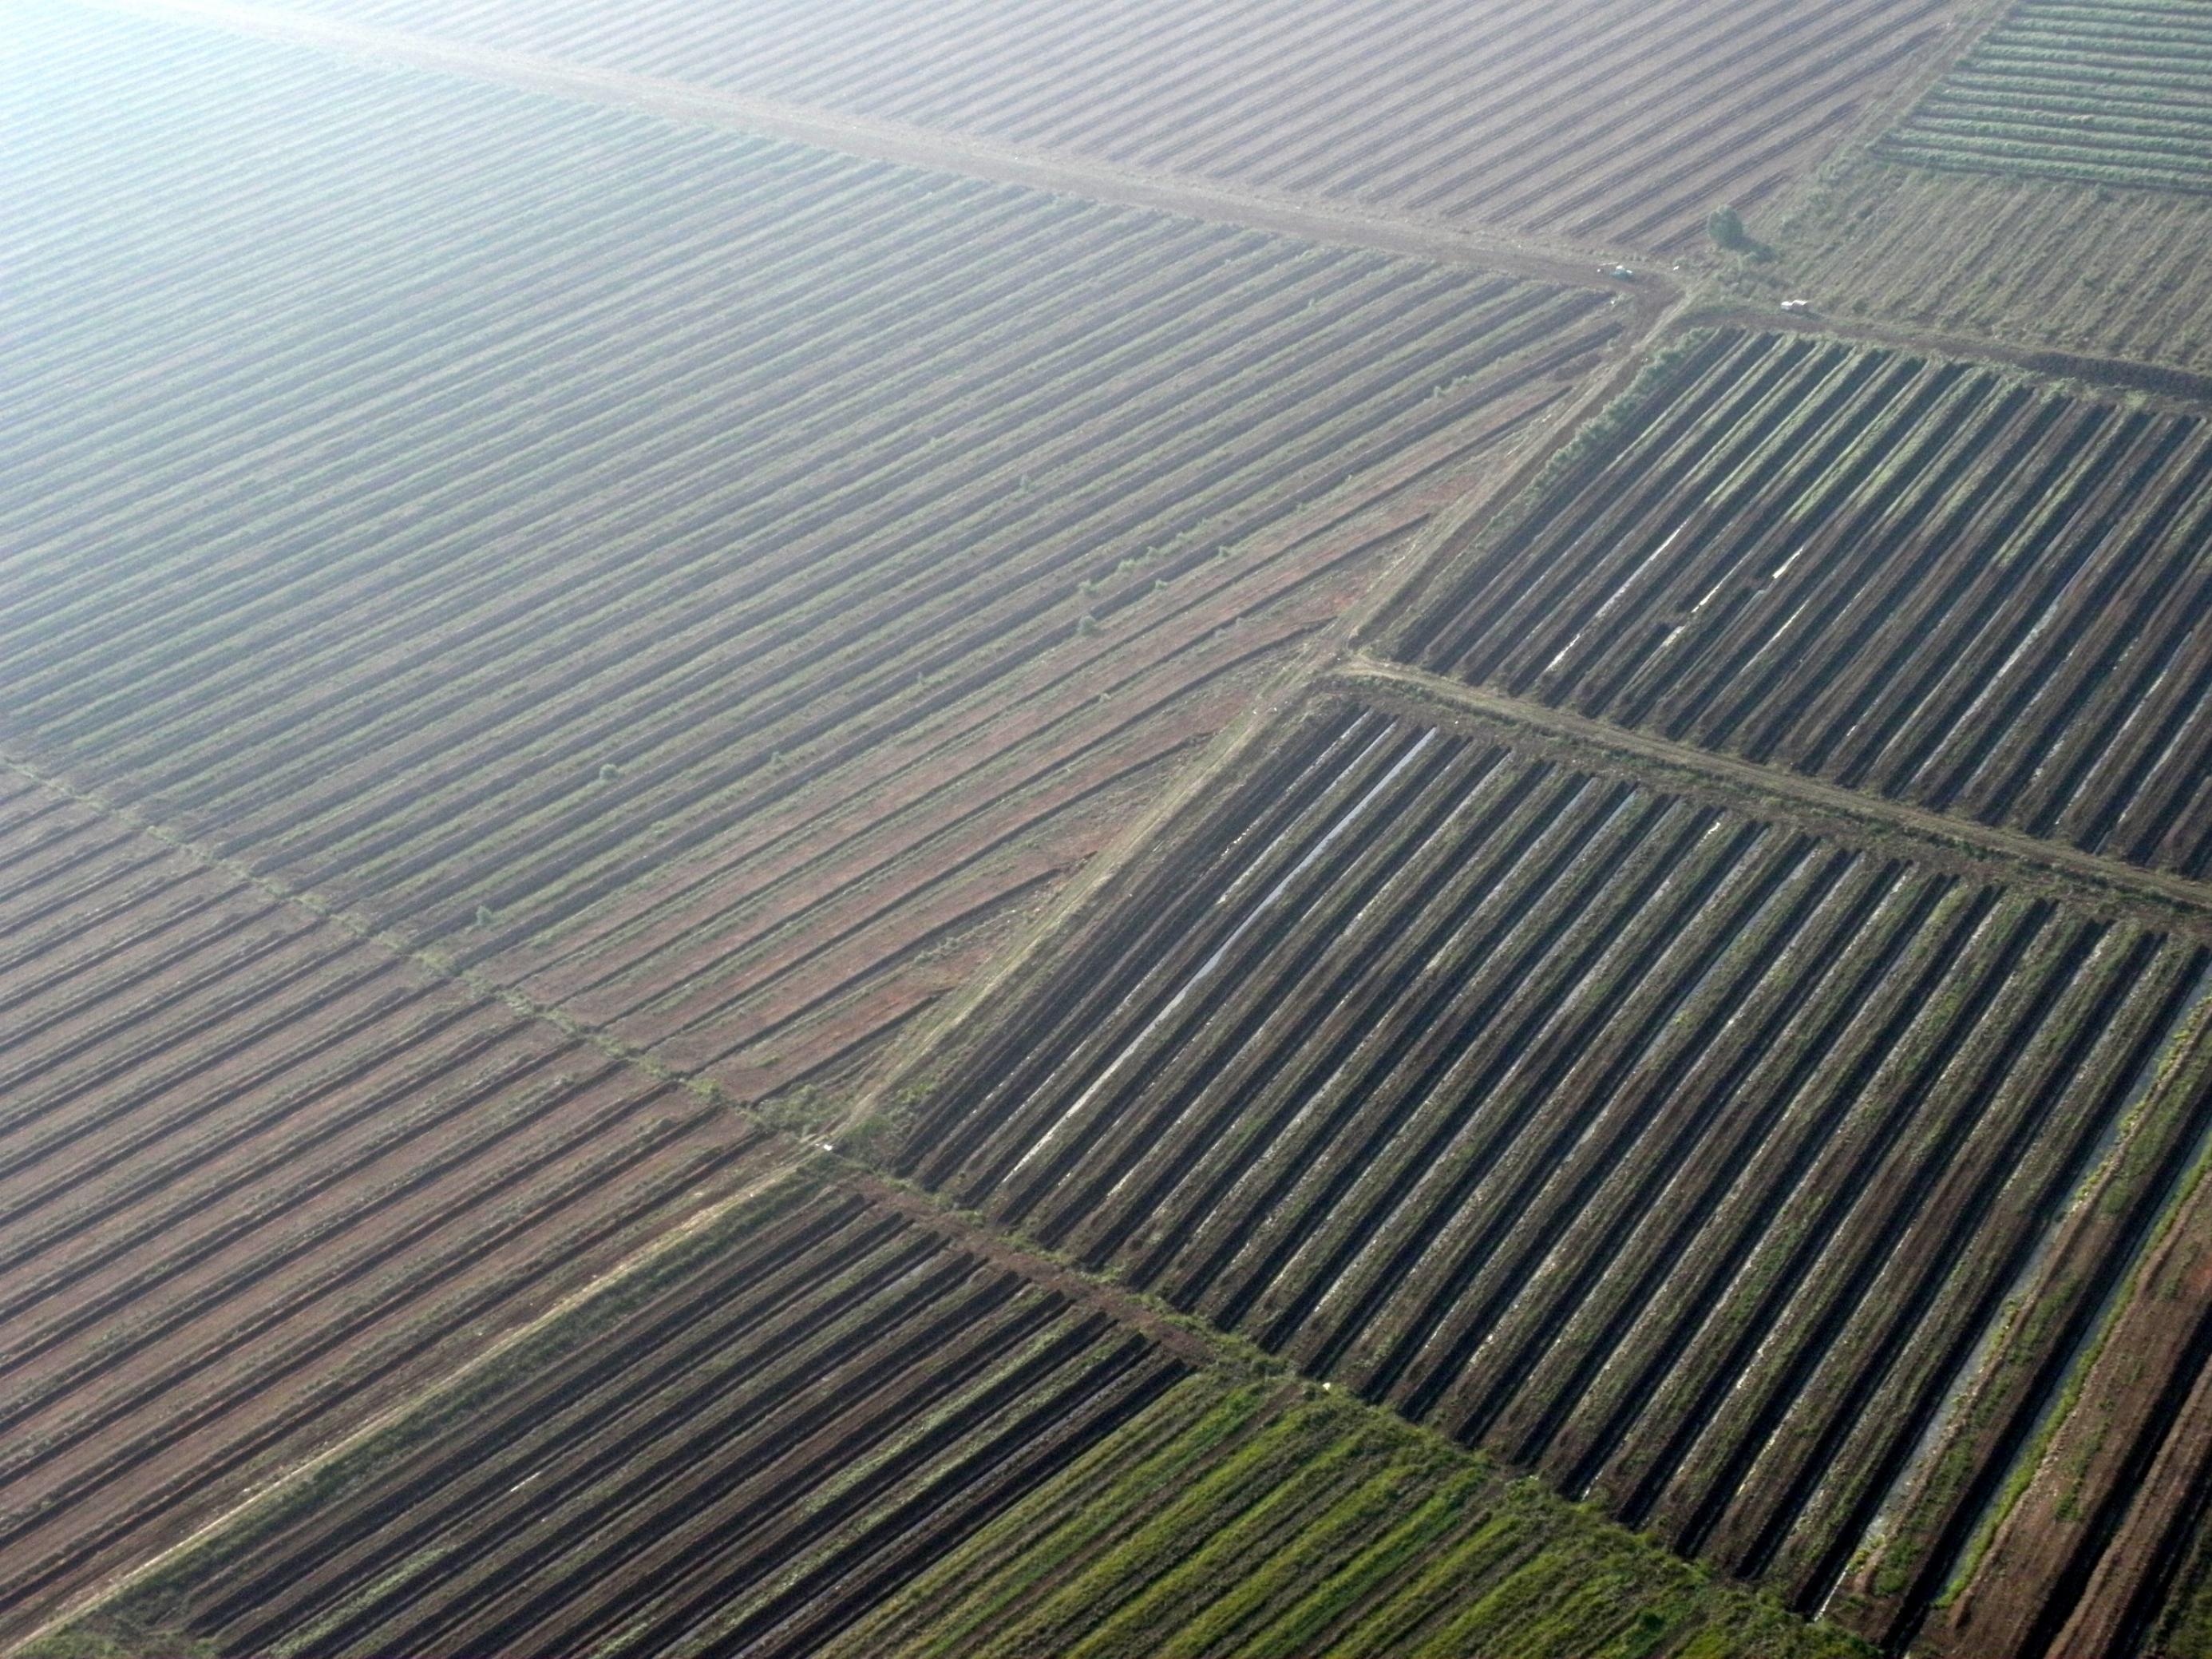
(260, 1177)
(707, 580)
(1251, 1521)
(2111, 92)
(823, 1428)
(739, 1453)
(2078, 267)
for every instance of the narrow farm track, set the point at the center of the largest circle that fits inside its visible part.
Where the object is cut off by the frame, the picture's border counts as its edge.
(1917, 578)
(2101, 887)
(784, 568)
(1601, 123)
(1676, 1153)
(2103, 92)
(259, 1179)
(740, 1454)
(674, 98)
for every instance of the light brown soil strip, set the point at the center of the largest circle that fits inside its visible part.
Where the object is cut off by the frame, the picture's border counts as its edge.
(2100, 887)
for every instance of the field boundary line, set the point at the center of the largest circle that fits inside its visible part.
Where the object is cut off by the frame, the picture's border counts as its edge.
(359, 927)
(1400, 584)
(1973, 24)
(2186, 390)
(923, 1047)
(1195, 1345)
(797, 1146)
(1277, 213)
(780, 1154)
(1855, 146)
(2101, 887)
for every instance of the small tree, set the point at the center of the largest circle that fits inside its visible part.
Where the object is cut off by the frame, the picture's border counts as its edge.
(1726, 228)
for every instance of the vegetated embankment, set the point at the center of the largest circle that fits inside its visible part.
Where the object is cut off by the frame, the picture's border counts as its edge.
(738, 1450)
(1604, 125)
(2103, 92)
(1922, 579)
(259, 1179)
(1262, 1518)
(1697, 1161)
(710, 583)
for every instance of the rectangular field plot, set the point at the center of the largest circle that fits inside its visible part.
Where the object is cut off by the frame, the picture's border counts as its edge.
(707, 581)
(1922, 579)
(1692, 1159)
(2112, 92)
(1605, 121)
(1260, 1520)
(2077, 267)
(738, 1450)
(259, 1178)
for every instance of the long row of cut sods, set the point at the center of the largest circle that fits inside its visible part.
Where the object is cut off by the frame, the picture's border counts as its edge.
(1693, 1160)
(2115, 92)
(1606, 122)
(1926, 580)
(472, 506)
(821, 1427)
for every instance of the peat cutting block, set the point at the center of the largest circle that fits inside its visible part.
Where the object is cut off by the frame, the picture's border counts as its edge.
(739, 1449)
(1758, 1185)
(1923, 579)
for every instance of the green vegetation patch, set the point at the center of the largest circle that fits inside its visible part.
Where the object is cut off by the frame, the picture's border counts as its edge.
(1272, 1521)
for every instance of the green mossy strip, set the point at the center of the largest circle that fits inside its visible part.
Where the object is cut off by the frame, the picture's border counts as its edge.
(1288, 1522)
